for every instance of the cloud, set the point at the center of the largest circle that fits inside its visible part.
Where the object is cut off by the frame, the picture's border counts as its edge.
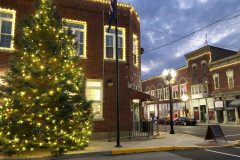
(202, 1)
(185, 4)
(181, 17)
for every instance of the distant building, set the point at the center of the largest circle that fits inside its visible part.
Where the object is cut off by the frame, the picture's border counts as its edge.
(89, 21)
(211, 80)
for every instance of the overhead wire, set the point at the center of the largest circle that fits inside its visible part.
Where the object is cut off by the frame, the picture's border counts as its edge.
(198, 30)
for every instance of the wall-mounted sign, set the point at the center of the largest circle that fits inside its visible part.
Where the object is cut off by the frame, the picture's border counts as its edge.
(210, 103)
(218, 105)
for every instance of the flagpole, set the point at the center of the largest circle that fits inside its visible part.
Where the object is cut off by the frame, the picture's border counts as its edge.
(117, 76)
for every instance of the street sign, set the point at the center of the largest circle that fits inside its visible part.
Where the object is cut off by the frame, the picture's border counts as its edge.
(218, 105)
(213, 132)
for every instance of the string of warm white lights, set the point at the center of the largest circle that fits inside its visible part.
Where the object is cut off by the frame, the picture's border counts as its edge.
(43, 106)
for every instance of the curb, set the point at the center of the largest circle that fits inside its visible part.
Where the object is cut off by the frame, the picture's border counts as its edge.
(119, 152)
(222, 125)
(152, 149)
(167, 148)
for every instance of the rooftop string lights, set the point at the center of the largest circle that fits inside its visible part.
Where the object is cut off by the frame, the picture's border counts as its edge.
(123, 5)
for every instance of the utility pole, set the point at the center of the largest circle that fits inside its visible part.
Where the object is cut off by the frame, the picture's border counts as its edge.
(117, 75)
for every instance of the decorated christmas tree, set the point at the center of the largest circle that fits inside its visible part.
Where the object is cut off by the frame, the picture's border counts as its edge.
(42, 99)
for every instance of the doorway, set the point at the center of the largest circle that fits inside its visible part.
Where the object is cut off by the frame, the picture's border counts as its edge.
(203, 113)
(220, 116)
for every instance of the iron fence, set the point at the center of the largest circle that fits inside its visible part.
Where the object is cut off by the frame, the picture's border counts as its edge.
(139, 129)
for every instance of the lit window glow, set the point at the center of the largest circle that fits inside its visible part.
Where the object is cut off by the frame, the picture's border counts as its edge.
(135, 50)
(109, 44)
(7, 28)
(94, 93)
(79, 28)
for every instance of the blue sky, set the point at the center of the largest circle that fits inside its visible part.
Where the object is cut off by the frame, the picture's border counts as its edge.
(164, 21)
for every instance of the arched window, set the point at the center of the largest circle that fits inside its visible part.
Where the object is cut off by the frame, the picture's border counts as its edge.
(216, 81)
(204, 68)
(194, 71)
(230, 78)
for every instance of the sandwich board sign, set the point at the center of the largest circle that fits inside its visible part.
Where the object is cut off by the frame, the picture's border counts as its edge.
(213, 132)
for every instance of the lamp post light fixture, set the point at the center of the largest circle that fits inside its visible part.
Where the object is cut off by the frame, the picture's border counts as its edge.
(169, 76)
(185, 98)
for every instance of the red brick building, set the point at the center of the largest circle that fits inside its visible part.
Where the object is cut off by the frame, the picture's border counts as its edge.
(88, 19)
(211, 81)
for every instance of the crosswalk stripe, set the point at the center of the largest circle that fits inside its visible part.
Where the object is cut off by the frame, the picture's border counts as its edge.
(233, 155)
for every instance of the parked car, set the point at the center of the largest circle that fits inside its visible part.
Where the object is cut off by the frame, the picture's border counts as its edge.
(185, 121)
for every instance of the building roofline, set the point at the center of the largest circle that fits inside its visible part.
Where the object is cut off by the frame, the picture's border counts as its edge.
(160, 75)
(180, 68)
(209, 47)
(120, 4)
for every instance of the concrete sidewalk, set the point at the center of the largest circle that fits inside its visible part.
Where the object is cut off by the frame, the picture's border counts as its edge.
(163, 142)
(223, 125)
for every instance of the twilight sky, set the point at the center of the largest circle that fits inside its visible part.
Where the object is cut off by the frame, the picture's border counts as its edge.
(165, 21)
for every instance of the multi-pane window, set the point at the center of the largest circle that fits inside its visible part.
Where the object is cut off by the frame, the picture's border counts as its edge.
(7, 24)
(230, 78)
(160, 94)
(166, 93)
(183, 89)
(110, 41)
(197, 89)
(216, 81)
(78, 28)
(175, 91)
(135, 50)
(94, 93)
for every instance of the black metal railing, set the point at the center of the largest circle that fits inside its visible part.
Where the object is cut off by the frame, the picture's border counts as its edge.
(138, 129)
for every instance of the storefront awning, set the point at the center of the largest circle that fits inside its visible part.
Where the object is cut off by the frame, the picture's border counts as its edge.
(135, 94)
(235, 103)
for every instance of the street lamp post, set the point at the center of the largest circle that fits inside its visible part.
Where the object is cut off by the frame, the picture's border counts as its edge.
(169, 78)
(185, 99)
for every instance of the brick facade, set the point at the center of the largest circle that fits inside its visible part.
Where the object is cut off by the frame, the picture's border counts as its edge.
(95, 14)
(202, 65)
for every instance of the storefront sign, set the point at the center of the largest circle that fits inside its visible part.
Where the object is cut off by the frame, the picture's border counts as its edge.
(195, 103)
(218, 105)
(202, 101)
(210, 103)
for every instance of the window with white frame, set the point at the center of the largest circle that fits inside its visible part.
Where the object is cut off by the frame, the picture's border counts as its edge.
(79, 28)
(135, 50)
(160, 94)
(7, 26)
(175, 92)
(109, 45)
(230, 78)
(197, 89)
(216, 81)
(183, 89)
(166, 93)
(94, 93)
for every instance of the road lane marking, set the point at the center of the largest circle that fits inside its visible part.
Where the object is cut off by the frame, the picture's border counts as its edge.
(233, 135)
(233, 155)
(237, 147)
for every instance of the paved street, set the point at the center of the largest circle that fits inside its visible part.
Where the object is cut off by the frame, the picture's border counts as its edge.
(231, 132)
(230, 153)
